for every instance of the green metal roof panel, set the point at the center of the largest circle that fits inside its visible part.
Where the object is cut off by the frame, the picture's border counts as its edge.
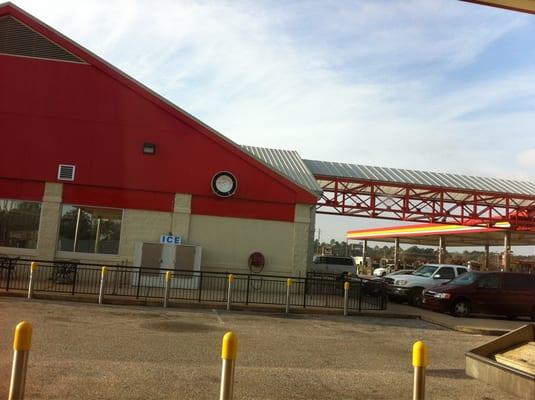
(289, 164)
(424, 178)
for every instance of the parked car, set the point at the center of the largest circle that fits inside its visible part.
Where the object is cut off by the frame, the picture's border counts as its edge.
(401, 272)
(498, 293)
(371, 286)
(381, 271)
(333, 265)
(410, 287)
(329, 273)
(390, 270)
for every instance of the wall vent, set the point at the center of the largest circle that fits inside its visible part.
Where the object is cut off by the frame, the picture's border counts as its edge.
(18, 39)
(66, 172)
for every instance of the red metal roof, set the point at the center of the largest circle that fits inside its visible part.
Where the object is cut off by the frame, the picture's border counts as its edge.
(302, 195)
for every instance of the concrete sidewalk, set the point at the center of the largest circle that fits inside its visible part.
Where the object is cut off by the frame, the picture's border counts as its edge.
(88, 351)
(478, 324)
(483, 325)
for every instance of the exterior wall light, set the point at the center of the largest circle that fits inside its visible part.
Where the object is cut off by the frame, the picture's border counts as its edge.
(149, 148)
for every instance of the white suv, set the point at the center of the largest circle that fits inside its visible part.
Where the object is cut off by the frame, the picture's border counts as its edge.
(333, 265)
(410, 287)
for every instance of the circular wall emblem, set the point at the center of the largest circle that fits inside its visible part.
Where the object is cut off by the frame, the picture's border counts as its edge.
(224, 184)
(256, 262)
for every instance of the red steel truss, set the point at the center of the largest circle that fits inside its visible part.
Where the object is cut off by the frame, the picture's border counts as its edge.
(415, 203)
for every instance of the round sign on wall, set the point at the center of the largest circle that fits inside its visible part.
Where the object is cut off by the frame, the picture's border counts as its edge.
(256, 262)
(224, 184)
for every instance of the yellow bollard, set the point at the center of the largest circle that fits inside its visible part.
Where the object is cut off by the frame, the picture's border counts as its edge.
(22, 343)
(229, 350)
(419, 361)
(229, 293)
(289, 283)
(103, 272)
(168, 277)
(33, 268)
(346, 297)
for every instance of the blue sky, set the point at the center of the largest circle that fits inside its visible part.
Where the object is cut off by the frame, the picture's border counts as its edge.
(440, 85)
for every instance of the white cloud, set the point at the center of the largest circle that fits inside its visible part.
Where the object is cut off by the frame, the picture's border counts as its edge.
(526, 158)
(354, 81)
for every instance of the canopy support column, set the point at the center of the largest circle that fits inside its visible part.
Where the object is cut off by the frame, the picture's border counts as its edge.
(364, 245)
(396, 253)
(441, 249)
(486, 264)
(507, 251)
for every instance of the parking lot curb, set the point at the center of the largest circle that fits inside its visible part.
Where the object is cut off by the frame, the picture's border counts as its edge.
(264, 309)
(111, 300)
(481, 331)
(467, 329)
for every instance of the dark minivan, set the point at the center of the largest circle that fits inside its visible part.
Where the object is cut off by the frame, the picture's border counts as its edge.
(498, 293)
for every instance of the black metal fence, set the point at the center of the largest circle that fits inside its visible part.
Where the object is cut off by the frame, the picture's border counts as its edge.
(75, 278)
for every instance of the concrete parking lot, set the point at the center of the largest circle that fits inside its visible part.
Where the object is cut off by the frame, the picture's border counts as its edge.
(83, 351)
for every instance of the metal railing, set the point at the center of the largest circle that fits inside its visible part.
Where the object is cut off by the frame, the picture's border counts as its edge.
(73, 278)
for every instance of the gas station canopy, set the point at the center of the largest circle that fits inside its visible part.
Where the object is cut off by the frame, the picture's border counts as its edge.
(455, 235)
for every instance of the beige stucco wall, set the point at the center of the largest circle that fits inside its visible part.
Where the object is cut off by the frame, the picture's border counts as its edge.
(301, 236)
(49, 223)
(144, 226)
(226, 242)
(181, 216)
(137, 225)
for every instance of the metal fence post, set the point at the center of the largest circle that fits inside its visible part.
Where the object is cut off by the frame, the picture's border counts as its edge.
(229, 292)
(289, 283)
(247, 292)
(383, 297)
(419, 361)
(229, 350)
(361, 289)
(305, 293)
(346, 297)
(8, 275)
(33, 268)
(138, 282)
(200, 286)
(103, 273)
(74, 280)
(168, 277)
(21, 346)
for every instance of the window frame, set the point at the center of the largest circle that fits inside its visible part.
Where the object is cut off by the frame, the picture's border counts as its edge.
(485, 276)
(529, 280)
(59, 250)
(440, 269)
(11, 249)
(334, 260)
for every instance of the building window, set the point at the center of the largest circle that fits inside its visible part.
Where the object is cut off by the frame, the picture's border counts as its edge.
(19, 223)
(90, 229)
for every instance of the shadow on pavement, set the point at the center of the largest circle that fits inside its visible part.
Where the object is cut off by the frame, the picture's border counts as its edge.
(447, 373)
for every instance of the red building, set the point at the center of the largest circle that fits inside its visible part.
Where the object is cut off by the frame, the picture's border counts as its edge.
(92, 162)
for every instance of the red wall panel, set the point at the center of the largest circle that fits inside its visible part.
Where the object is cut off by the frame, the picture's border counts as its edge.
(16, 189)
(242, 209)
(55, 112)
(108, 197)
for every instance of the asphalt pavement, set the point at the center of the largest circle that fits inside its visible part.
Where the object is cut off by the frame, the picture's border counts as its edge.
(87, 351)
(479, 324)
